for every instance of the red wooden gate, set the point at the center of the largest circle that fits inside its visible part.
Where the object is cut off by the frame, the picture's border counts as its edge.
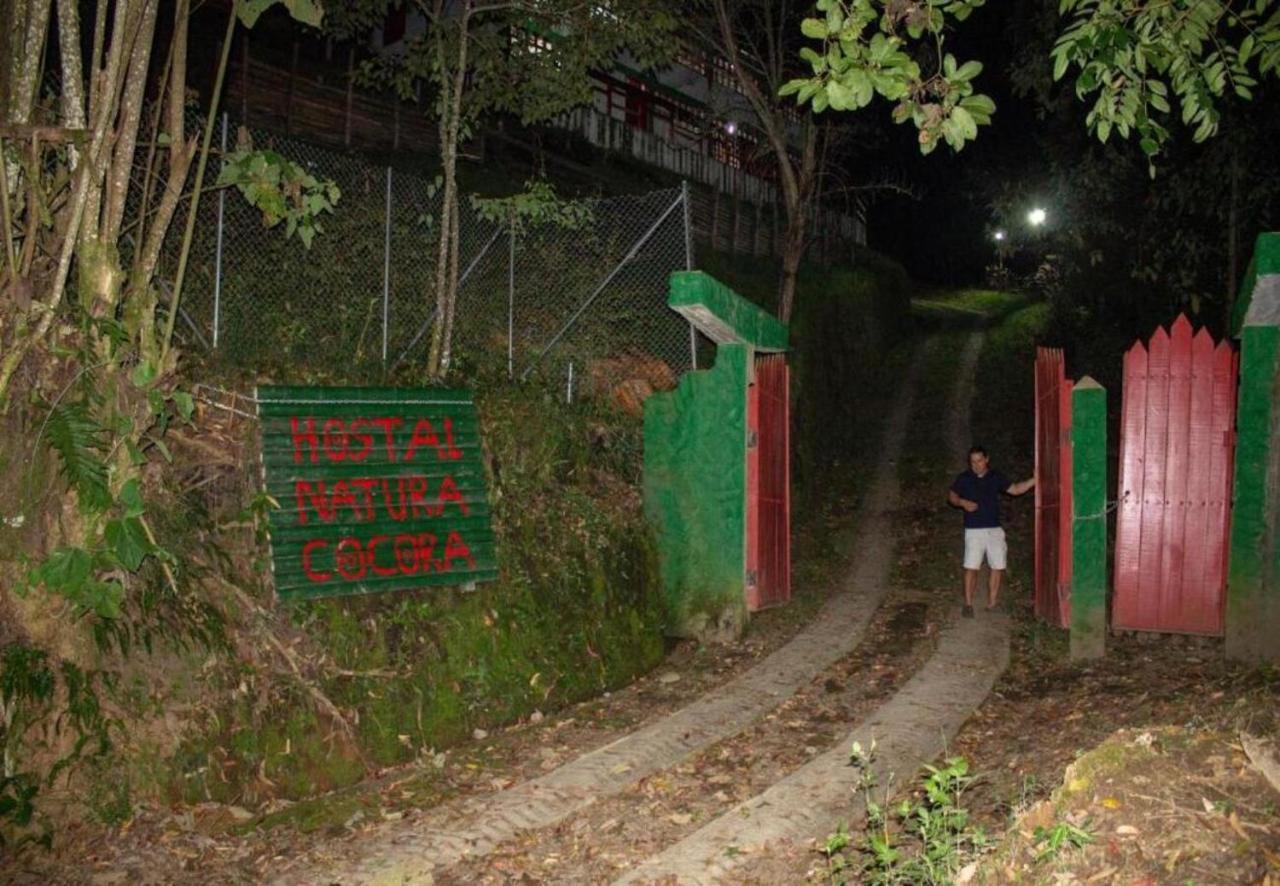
(1053, 488)
(768, 485)
(1177, 435)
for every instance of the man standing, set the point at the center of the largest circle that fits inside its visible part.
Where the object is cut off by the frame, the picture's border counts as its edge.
(977, 492)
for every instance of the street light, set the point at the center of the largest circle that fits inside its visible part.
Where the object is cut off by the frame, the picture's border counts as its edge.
(1037, 217)
(999, 236)
(731, 127)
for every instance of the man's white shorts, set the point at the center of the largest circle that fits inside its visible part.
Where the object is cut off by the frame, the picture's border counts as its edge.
(989, 543)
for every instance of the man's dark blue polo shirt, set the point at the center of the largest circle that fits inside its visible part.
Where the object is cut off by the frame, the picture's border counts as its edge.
(985, 491)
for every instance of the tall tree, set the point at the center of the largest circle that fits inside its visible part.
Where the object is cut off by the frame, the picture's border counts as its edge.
(761, 41)
(529, 58)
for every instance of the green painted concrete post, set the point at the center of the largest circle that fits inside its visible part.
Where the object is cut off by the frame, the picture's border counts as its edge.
(1088, 519)
(1253, 592)
(695, 462)
(695, 493)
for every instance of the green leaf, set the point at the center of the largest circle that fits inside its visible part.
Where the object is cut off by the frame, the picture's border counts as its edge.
(968, 71)
(131, 499)
(128, 541)
(250, 10)
(104, 598)
(65, 570)
(78, 441)
(814, 28)
(840, 96)
(1060, 63)
(185, 404)
(980, 106)
(965, 125)
(164, 449)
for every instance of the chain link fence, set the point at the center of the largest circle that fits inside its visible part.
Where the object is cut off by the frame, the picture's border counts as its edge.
(582, 307)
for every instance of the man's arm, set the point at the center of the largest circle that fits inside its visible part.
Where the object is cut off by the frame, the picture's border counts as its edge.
(956, 501)
(1022, 486)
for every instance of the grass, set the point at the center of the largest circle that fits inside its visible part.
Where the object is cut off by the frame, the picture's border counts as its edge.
(966, 307)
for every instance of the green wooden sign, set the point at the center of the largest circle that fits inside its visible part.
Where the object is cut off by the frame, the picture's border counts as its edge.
(379, 489)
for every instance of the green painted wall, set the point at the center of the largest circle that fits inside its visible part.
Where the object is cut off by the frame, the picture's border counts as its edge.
(1253, 588)
(1088, 520)
(695, 495)
(1265, 263)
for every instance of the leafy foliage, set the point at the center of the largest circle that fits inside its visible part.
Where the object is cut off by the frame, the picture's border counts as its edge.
(1051, 841)
(309, 12)
(920, 840)
(869, 49)
(537, 205)
(38, 704)
(78, 440)
(281, 190)
(1141, 58)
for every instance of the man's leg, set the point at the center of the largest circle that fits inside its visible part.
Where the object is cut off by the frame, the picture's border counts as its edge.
(973, 545)
(997, 551)
(993, 587)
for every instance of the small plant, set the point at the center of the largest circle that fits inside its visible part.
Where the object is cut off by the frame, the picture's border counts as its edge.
(919, 840)
(1050, 841)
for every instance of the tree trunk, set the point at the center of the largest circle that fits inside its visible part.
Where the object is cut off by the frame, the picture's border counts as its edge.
(454, 84)
(126, 139)
(793, 249)
(23, 81)
(73, 106)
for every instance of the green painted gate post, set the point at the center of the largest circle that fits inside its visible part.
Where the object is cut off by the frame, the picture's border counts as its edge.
(695, 462)
(1088, 519)
(1253, 597)
(1253, 572)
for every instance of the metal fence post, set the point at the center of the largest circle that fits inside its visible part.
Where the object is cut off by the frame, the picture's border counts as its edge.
(688, 266)
(217, 259)
(386, 271)
(511, 302)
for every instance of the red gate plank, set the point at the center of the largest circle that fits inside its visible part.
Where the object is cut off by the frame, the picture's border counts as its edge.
(1132, 457)
(769, 527)
(1052, 490)
(1154, 496)
(1173, 605)
(1047, 466)
(1040, 472)
(1224, 388)
(1200, 456)
(1063, 541)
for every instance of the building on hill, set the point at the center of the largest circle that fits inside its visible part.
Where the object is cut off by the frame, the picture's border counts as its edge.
(688, 119)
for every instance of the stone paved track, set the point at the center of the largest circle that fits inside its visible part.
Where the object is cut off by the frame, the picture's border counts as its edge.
(911, 728)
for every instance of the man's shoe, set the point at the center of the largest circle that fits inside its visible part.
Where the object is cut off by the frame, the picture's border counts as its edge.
(967, 612)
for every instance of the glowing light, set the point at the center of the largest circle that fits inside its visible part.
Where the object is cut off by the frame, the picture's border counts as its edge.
(999, 235)
(1037, 216)
(731, 127)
